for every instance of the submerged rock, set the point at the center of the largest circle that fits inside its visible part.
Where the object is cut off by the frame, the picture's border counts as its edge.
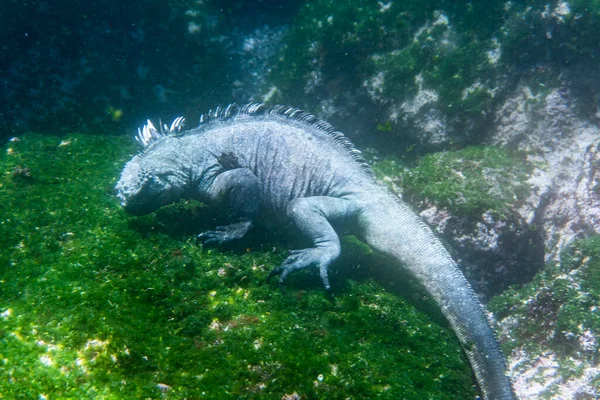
(552, 328)
(563, 147)
(471, 197)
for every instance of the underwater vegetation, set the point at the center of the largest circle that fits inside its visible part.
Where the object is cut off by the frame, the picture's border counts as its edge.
(562, 296)
(549, 322)
(98, 304)
(439, 70)
(555, 320)
(470, 181)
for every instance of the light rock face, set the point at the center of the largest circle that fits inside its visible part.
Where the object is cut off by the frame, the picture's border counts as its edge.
(557, 131)
(553, 360)
(542, 374)
(417, 111)
(564, 146)
(565, 198)
(421, 115)
(587, 194)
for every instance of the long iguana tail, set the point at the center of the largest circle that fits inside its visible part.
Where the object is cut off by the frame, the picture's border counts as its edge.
(391, 228)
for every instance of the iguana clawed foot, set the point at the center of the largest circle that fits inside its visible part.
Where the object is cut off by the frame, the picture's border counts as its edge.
(226, 233)
(300, 259)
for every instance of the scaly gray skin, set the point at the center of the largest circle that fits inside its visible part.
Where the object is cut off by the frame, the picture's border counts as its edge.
(286, 166)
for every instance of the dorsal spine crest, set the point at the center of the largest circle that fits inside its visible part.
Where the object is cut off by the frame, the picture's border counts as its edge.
(149, 135)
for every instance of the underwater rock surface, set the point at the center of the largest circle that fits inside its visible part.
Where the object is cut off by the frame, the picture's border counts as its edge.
(564, 147)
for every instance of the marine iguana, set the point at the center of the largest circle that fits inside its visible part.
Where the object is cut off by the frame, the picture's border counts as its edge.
(287, 166)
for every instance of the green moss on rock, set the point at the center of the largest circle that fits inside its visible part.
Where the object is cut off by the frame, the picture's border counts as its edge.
(334, 39)
(447, 62)
(98, 304)
(469, 181)
(558, 310)
(445, 45)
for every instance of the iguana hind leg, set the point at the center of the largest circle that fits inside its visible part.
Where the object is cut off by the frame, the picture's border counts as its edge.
(312, 216)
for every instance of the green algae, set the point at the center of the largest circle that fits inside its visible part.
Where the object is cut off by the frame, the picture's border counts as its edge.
(335, 39)
(388, 167)
(469, 181)
(450, 67)
(565, 36)
(558, 308)
(458, 59)
(98, 304)
(445, 44)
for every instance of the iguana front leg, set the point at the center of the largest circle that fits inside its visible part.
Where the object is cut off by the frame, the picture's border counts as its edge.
(311, 215)
(239, 190)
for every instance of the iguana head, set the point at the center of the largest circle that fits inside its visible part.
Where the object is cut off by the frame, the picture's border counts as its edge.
(152, 178)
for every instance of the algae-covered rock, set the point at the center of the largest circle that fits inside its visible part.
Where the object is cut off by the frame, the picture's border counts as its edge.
(552, 326)
(98, 304)
(562, 144)
(471, 197)
(437, 72)
(428, 69)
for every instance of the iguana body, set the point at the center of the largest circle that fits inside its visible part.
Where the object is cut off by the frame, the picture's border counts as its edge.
(286, 166)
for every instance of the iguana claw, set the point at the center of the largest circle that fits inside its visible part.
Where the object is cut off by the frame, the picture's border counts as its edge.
(300, 259)
(225, 233)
